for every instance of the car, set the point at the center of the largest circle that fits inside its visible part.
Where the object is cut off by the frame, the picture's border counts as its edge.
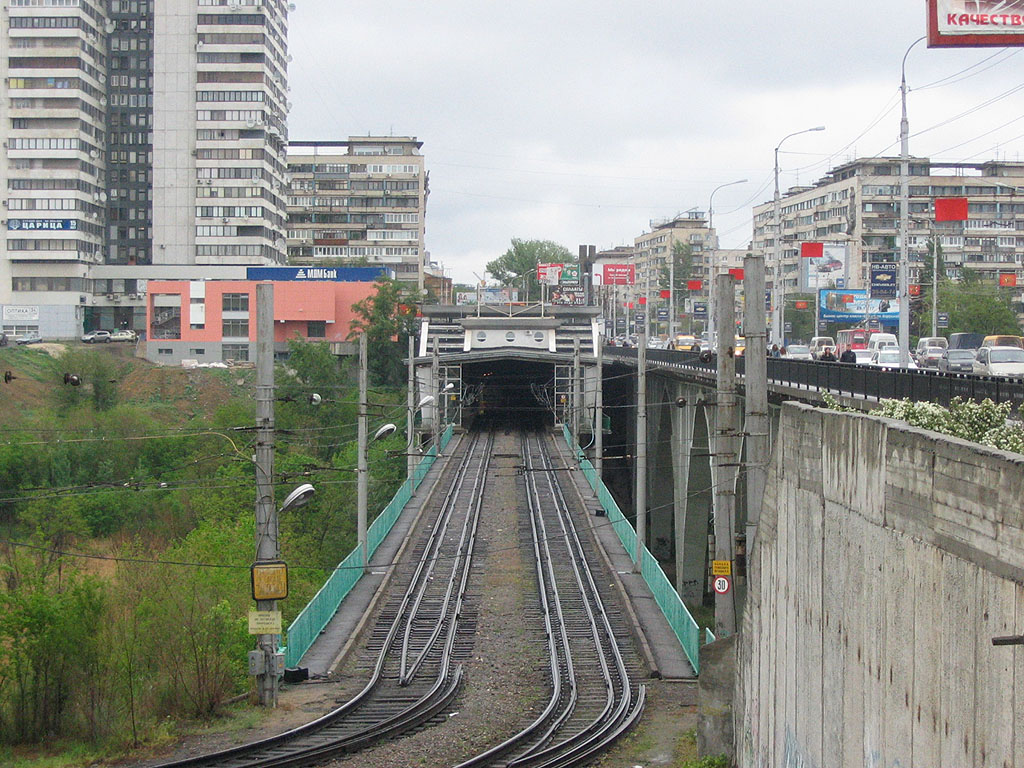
(686, 341)
(32, 337)
(1003, 341)
(929, 341)
(124, 335)
(929, 358)
(819, 343)
(888, 357)
(799, 352)
(829, 266)
(96, 337)
(956, 361)
(863, 356)
(965, 340)
(999, 361)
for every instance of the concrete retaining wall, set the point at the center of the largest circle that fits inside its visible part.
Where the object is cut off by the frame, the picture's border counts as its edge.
(887, 559)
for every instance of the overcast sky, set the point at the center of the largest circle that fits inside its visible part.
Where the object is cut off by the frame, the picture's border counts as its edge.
(580, 122)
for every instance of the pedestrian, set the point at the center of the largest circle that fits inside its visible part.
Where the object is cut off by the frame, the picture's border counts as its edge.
(848, 356)
(775, 350)
(828, 356)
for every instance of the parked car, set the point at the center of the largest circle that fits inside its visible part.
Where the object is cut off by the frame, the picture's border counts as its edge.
(888, 357)
(818, 344)
(799, 352)
(929, 358)
(96, 337)
(32, 337)
(999, 361)
(956, 361)
(124, 335)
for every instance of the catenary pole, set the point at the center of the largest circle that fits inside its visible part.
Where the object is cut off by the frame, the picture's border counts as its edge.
(756, 400)
(361, 468)
(904, 272)
(267, 543)
(725, 454)
(641, 443)
(599, 410)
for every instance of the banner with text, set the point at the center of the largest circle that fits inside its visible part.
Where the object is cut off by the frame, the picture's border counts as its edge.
(975, 23)
(853, 307)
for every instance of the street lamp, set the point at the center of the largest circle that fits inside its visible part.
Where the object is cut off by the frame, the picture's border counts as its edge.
(904, 273)
(777, 316)
(710, 324)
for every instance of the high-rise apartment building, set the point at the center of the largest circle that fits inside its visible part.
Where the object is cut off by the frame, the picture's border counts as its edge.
(142, 140)
(857, 205)
(361, 200)
(688, 234)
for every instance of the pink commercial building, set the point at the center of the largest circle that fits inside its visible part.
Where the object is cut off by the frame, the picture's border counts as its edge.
(215, 321)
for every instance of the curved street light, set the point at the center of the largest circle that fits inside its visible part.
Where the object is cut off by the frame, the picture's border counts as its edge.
(709, 324)
(777, 292)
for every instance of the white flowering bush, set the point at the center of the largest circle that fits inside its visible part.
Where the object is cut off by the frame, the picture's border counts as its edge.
(983, 422)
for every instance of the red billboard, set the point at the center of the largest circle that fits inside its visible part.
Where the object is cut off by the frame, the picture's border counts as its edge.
(975, 23)
(618, 274)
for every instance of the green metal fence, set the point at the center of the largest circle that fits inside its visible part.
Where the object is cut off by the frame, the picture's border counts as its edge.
(321, 609)
(665, 595)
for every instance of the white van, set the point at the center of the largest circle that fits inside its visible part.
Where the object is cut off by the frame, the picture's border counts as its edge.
(878, 340)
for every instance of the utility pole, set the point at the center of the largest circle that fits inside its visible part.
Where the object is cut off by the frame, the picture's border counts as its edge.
(725, 453)
(641, 443)
(904, 272)
(435, 371)
(267, 542)
(361, 468)
(756, 400)
(672, 297)
(410, 400)
(599, 410)
(577, 400)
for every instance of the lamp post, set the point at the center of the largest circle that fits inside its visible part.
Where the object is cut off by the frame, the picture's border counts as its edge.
(777, 294)
(904, 272)
(710, 324)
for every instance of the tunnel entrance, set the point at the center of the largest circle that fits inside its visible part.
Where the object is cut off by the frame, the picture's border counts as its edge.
(510, 392)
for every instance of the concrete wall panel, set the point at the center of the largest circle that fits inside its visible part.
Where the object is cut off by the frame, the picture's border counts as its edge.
(887, 559)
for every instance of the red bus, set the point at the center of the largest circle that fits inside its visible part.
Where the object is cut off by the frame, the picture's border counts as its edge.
(852, 338)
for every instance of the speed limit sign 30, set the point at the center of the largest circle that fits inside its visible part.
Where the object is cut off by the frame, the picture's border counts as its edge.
(721, 584)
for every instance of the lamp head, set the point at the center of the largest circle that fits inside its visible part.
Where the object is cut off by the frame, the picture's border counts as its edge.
(425, 400)
(384, 431)
(315, 399)
(448, 387)
(298, 497)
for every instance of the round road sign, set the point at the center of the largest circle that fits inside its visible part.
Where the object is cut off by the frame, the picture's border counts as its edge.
(722, 584)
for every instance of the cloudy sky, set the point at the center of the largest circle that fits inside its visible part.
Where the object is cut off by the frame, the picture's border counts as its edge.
(580, 122)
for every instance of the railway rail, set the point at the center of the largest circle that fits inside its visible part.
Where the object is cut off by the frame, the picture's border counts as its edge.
(424, 634)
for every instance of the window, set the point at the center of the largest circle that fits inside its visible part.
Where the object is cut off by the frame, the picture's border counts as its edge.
(198, 351)
(316, 329)
(237, 352)
(236, 329)
(236, 302)
(164, 351)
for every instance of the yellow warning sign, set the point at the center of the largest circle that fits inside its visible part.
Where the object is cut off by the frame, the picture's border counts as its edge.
(721, 567)
(264, 622)
(269, 581)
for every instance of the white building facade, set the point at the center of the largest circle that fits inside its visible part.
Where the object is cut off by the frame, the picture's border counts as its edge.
(142, 140)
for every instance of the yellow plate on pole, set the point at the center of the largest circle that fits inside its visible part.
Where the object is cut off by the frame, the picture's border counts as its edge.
(721, 567)
(269, 581)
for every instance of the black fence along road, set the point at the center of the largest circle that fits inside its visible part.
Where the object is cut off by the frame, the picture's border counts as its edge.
(844, 379)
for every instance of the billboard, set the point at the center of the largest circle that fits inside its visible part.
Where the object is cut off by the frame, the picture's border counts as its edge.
(826, 271)
(549, 274)
(854, 308)
(333, 274)
(487, 296)
(883, 280)
(570, 298)
(975, 23)
(614, 274)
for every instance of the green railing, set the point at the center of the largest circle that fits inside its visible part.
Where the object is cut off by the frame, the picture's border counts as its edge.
(665, 595)
(321, 609)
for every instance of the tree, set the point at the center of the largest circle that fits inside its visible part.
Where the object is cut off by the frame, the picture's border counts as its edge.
(387, 318)
(682, 255)
(976, 306)
(518, 265)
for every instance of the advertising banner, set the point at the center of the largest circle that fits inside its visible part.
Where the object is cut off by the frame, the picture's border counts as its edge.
(853, 307)
(549, 273)
(570, 274)
(700, 309)
(975, 23)
(617, 274)
(826, 270)
(41, 225)
(487, 296)
(14, 314)
(570, 298)
(883, 281)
